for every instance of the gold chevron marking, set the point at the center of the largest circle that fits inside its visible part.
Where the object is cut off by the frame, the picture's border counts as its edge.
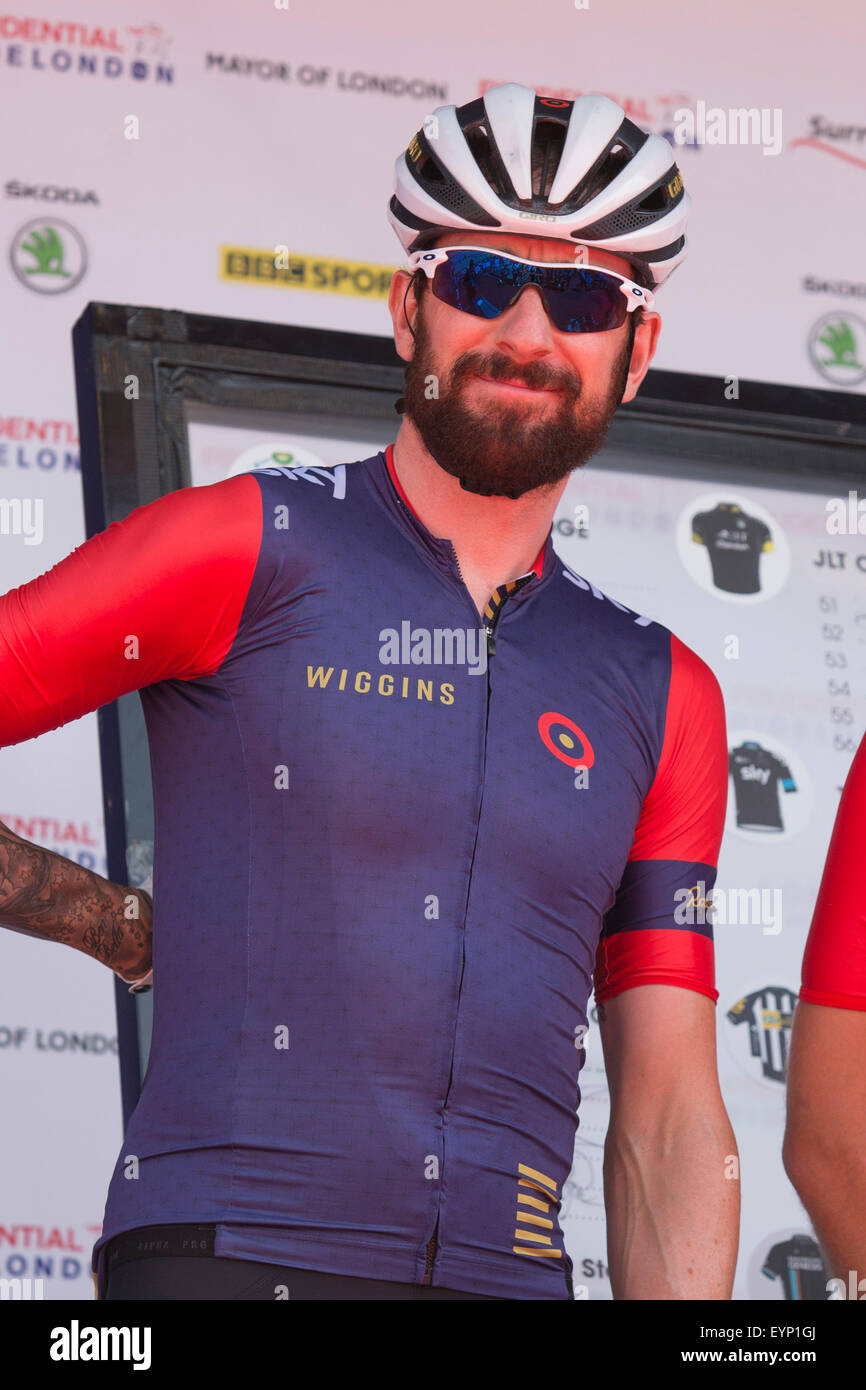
(524, 1182)
(526, 1250)
(532, 1202)
(529, 1220)
(539, 1177)
(532, 1235)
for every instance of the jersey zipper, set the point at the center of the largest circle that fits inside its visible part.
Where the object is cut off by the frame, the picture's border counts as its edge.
(488, 624)
(491, 618)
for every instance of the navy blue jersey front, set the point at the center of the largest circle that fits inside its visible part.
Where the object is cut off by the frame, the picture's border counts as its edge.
(394, 843)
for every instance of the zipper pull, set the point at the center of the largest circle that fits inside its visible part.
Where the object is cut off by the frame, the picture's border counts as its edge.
(491, 640)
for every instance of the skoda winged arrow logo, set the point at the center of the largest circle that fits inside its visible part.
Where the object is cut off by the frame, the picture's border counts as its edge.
(837, 347)
(48, 256)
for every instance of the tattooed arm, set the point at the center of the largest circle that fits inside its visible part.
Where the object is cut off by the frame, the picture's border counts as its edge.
(43, 894)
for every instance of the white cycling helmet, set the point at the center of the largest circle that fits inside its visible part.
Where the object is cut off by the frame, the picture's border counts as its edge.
(541, 166)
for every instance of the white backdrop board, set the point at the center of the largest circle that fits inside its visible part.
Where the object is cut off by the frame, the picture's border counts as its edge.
(159, 158)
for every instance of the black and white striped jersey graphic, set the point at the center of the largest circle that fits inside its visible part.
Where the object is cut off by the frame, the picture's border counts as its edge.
(768, 1013)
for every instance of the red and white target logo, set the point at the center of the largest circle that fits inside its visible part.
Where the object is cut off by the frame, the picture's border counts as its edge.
(566, 740)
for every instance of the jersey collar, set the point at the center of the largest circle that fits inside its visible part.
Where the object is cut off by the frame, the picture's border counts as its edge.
(537, 566)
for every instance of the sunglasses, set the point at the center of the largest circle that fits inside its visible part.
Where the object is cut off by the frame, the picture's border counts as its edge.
(579, 298)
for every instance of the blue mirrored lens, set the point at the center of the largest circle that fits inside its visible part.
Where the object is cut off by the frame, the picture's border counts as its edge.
(578, 300)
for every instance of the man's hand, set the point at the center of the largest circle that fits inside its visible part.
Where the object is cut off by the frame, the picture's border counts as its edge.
(46, 895)
(138, 909)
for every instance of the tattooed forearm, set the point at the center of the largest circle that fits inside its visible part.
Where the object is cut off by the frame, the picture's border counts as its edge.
(42, 894)
(104, 940)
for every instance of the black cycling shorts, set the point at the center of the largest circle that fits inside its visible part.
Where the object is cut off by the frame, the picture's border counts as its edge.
(177, 1262)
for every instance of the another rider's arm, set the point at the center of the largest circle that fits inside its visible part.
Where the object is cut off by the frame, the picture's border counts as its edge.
(45, 895)
(670, 1167)
(824, 1149)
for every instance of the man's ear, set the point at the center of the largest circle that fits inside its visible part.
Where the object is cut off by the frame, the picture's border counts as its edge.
(643, 349)
(403, 306)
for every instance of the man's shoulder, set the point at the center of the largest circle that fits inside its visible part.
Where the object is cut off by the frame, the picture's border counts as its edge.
(237, 501)
(170, 538)
(597, 601)
(692, 670)
(333, 482)
(634, 633)
(330, 477)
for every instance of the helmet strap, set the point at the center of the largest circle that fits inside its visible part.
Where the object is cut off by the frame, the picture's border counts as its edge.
(405, 297)
(399, 405)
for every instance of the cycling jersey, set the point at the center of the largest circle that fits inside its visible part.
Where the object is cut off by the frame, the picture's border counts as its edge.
(834, 962)
(769, 1013)
(798, 1264)
(735, 543)
(388, 860)
(757, 773)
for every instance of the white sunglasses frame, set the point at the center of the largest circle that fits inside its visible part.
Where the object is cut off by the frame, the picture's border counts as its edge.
(636, 296)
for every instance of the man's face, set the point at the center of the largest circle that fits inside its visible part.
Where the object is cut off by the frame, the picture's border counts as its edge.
(517, 404)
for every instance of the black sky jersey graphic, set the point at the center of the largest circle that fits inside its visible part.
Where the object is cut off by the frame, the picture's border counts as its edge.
(735, 543)
(797, 1262)
(757, 773)
(768, 1013)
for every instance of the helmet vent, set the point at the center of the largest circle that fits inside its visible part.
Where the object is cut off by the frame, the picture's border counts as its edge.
(478, 141)
(442, 186)
(489, 161)
(656, 201)
(428, 169)
(547, 144)
(604, 172)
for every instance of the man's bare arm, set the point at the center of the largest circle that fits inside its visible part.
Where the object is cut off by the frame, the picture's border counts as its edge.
(824, 1151)
(43, 894)
(671, 1171)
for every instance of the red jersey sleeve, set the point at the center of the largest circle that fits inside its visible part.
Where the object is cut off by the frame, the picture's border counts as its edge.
(834, 962)
(156, 596)
(658, 930)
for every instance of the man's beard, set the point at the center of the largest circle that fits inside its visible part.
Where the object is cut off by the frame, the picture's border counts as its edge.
(507, 449)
